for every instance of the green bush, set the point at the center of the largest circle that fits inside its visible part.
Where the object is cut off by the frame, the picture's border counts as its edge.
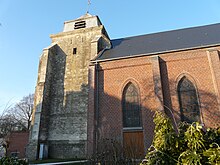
(12, 161)
(192, 145)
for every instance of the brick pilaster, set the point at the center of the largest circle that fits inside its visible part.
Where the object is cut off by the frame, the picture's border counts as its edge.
(213, 58)
(157, 81)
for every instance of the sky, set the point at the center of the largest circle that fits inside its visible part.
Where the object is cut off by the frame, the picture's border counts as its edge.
(25, 27)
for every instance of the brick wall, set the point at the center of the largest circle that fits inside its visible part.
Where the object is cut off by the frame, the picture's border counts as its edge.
(145, 74)
(17, 144)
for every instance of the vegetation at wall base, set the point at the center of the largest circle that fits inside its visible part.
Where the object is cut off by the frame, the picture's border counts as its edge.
(12, 161)
(192, 145)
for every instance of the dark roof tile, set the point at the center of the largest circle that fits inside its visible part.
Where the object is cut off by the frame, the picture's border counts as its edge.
(163, 42)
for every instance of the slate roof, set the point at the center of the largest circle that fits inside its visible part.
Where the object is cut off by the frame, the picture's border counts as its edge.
(162, 42)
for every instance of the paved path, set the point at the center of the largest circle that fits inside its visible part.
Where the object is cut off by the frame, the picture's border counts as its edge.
(79, 161)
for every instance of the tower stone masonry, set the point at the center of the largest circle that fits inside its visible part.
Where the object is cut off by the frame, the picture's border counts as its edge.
(59, 124)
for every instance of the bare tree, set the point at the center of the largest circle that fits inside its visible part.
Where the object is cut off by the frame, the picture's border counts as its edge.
(17, 117)
(7, 124)
(22, 111)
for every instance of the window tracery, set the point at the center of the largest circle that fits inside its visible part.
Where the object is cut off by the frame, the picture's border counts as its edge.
(131, 106)
(189, 107)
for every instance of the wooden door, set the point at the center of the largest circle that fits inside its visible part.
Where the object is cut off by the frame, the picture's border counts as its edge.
(133, 144)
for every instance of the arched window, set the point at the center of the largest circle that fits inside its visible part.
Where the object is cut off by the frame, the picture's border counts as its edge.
(131, 106)
(189, 107)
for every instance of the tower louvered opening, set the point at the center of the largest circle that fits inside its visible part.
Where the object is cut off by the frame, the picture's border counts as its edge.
(80, 24)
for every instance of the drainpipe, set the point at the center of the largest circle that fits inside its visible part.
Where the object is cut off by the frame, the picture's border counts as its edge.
(96, 103)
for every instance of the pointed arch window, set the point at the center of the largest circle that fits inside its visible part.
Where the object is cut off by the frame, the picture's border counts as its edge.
(188, 100)
(131, 106)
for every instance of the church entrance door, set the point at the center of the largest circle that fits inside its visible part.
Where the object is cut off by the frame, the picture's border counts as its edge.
(133, 144)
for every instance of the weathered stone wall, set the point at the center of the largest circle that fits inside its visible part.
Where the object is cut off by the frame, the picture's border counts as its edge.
(61, 97)
(67, 129)
(40, 117)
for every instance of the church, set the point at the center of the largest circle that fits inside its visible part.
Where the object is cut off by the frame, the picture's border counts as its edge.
(91, 88)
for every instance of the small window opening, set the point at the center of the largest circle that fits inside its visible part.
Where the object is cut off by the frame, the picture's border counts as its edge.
(80, 24)
(74, 50)
(14, 154)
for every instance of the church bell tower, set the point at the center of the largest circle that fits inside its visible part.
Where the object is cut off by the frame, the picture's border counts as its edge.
(59, 124)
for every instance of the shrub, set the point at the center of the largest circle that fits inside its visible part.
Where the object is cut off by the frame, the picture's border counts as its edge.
(192, 145)
(12, 161)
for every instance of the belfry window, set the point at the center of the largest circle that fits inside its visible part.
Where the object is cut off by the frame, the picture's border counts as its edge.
(189, 107)
(80, 25)
(131, 106)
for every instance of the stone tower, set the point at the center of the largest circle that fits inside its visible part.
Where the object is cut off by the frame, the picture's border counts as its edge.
(59, 124)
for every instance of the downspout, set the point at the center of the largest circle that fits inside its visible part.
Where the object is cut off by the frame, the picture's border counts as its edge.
(97, 97)
(96, 103)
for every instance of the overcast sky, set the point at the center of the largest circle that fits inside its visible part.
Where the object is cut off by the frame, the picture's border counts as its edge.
(25, 26)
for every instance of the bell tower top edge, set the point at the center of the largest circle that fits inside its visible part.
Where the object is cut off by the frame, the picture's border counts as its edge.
(85, 21)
